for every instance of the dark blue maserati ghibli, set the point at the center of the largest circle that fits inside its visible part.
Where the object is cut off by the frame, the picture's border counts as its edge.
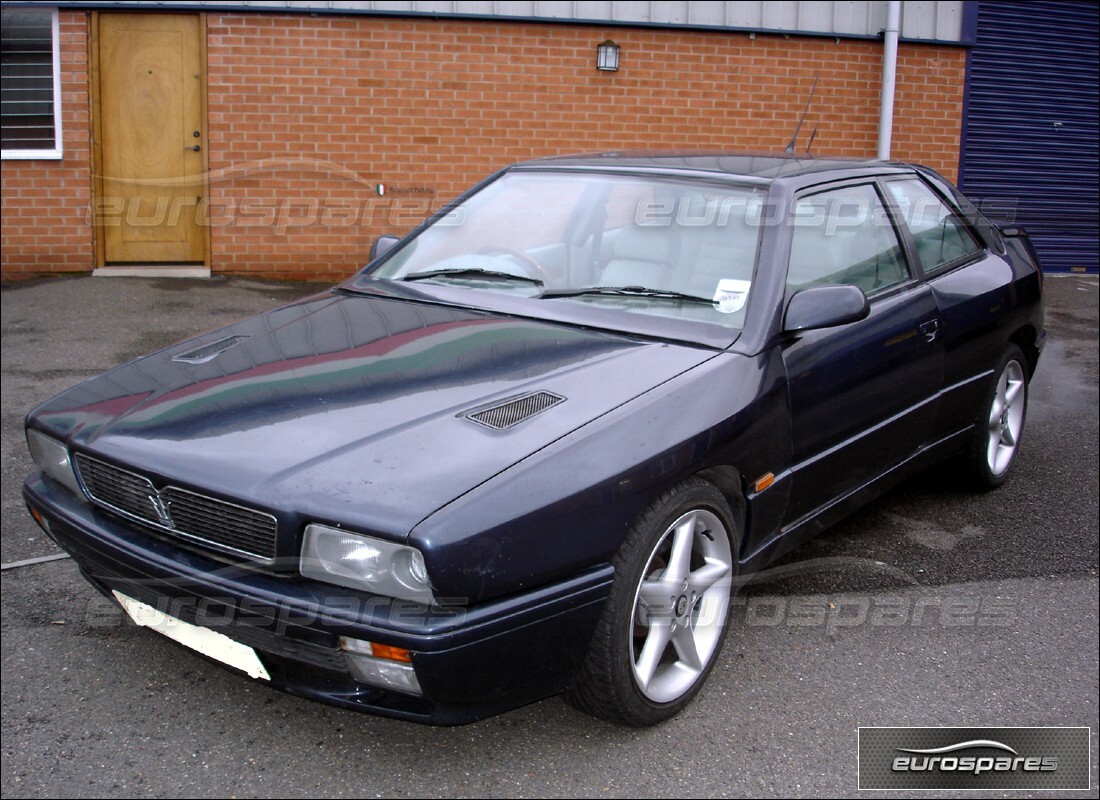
(535, 445)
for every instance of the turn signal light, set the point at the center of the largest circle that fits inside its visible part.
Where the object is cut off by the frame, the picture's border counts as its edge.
(763, 482)
(391, 653)
(381, 665)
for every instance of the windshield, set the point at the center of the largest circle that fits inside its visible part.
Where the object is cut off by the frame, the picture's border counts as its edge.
(638, 245)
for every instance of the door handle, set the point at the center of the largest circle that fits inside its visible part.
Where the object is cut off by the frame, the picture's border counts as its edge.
(193, 148)
(930, 329)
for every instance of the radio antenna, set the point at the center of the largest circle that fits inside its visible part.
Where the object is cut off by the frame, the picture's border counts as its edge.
(810, 143)
(790, 147)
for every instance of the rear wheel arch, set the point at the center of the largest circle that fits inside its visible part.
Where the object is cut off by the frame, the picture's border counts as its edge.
(1026, 339)
(987, 458)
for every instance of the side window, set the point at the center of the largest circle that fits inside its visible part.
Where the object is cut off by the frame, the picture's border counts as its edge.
(844, 236)
(940, 236)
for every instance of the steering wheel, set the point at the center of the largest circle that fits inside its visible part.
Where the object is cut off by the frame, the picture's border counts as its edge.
(535, 269)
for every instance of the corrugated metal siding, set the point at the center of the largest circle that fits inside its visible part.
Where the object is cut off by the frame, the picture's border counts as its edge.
(920, 19)
(928, 19)
(1032, 124)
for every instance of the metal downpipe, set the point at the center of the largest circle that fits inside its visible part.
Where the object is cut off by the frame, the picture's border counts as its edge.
(889, 77)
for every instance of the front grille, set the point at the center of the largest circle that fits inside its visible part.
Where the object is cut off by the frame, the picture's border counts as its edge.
(218, 524)
(514, 411)
(116, 488)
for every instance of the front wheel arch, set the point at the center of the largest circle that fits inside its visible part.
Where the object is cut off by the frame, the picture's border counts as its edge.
(664, 622)
(728, 481)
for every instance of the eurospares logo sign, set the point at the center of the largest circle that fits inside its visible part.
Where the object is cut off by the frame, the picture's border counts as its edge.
(974, 758)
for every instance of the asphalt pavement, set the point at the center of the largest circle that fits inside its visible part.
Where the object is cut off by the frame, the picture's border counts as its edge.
(932, 606)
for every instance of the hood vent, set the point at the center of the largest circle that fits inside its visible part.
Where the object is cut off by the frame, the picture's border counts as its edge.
(514, 411)
(208, 352)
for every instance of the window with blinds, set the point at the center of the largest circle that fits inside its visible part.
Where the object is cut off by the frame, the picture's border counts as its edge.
(30, 96)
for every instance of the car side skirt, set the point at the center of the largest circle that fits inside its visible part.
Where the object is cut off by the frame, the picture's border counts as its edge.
(810, 525)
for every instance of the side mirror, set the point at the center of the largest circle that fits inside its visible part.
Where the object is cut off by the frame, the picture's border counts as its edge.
(825, 307)
(382, 245)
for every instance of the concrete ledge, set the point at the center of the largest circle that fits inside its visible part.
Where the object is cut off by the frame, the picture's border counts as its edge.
(152, 271)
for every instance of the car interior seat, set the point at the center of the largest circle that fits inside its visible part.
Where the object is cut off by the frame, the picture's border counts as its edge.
(642, 255)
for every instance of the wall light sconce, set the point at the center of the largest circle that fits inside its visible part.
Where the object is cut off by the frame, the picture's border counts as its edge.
(607, 56)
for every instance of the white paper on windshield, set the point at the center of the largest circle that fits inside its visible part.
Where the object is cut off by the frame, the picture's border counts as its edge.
(731, 294)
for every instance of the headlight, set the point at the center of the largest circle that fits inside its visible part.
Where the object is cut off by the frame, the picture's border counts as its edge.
(52, 457)
(362, 562)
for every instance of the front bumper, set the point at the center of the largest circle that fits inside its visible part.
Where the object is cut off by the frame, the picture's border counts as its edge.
(471, 662)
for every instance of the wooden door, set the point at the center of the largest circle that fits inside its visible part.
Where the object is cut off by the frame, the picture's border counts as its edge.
(150, 132)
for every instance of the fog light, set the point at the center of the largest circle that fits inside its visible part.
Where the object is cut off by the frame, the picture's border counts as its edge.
(383, 666)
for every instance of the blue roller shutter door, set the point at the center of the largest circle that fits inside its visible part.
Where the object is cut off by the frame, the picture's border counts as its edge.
(1030, 143)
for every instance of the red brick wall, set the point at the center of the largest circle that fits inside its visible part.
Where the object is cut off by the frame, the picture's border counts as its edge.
(928, 107)
(418, 104)
(44, 203)
(308, 114)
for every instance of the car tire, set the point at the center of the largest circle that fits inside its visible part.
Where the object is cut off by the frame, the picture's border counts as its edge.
(665, 620)
(991, 453)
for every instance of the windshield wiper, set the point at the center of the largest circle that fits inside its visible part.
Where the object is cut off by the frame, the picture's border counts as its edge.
(471, 272)
(628, 291)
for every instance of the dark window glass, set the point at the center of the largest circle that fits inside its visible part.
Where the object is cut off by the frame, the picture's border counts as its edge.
(940, 236)
(844, 236)
(27, 80)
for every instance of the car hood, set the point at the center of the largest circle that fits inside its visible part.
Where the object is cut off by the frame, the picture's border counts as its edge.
(353, 409)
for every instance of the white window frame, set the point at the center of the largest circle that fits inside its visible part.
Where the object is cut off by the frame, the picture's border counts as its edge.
(56, 151)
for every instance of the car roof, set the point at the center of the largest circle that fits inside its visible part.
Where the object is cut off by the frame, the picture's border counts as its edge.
(758, 167)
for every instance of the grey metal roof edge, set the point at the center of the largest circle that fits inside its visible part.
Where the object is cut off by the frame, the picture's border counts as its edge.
(92, 5)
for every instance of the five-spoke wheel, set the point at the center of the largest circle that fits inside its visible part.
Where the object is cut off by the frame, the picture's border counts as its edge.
(992, 450)
(680, 606)
(1006, 417)
(664, 623)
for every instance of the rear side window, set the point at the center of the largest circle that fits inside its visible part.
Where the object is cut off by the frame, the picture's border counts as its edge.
(844, 236)
(940, 236)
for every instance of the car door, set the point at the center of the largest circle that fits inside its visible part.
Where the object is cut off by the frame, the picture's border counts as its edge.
(973, 289)
(863, 396)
